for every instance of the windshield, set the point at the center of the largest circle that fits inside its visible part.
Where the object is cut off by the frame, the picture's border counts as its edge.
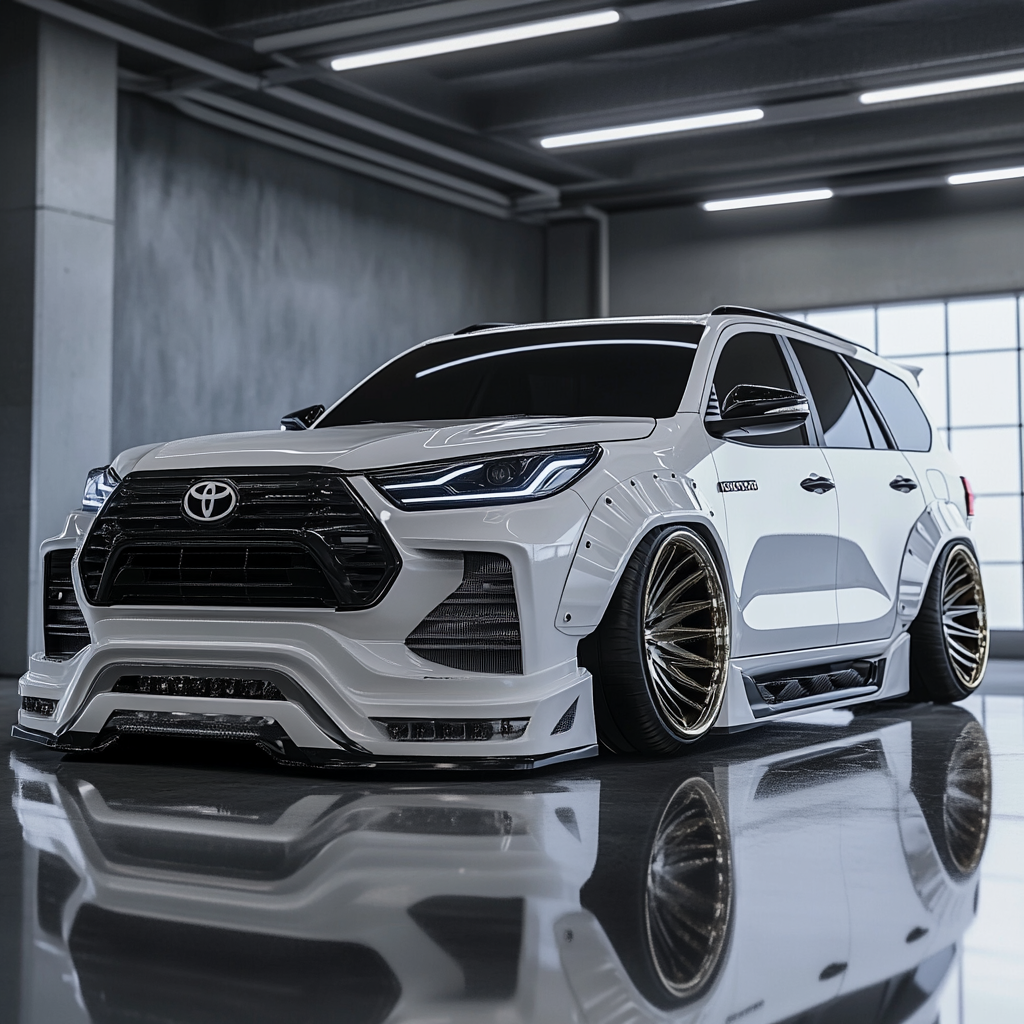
(586, 370)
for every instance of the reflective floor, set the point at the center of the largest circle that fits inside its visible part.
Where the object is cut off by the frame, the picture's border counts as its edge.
(843, 869)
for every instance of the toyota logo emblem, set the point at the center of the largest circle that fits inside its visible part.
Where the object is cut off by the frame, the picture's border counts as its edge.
(210, 500)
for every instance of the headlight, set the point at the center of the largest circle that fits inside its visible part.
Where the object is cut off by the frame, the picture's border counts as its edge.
(99, 485)
(492, 480)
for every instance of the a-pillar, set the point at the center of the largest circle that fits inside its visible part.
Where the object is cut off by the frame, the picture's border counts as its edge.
(58, 123)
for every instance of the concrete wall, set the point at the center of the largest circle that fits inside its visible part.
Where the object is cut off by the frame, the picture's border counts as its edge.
(250, 282)
(58, 117)
(912, 245)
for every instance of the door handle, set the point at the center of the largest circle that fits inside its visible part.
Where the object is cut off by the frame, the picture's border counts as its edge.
(817, 484)
(904, 484)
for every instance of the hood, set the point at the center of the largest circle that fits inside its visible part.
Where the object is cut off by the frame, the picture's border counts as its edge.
(377, 445)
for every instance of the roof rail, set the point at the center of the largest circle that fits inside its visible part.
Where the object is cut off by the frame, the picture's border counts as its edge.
(472, 328)
(748, 311)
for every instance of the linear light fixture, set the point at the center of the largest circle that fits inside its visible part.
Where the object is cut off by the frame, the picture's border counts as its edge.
(777, 199)
(638, 131)
(944, 87)
(473, 40)
(1002, 174)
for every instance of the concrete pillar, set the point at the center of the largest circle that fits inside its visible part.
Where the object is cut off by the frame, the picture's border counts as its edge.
(576, 284)
(58, 122)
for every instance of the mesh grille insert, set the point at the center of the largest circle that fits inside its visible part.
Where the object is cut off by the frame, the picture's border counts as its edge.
(199, 686)
(297, 538)
(477, 627)
(64, 630)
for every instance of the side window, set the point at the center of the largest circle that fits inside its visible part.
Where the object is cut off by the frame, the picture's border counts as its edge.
(839, 410)
(754, 358)
(899, 408)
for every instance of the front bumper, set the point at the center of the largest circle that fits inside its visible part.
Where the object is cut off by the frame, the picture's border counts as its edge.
(344, 674)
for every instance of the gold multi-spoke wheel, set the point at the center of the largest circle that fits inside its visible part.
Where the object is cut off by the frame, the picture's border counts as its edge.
(689, 890)
(686, 634)
(964, 626)
(660, 657)
(949, 637)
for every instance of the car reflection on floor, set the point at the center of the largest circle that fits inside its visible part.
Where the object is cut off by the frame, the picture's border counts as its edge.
(827, 879)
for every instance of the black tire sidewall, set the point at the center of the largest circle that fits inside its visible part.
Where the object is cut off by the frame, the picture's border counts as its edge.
(628, 715)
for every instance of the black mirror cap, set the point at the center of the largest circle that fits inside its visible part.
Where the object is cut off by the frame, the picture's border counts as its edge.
(751, 409)
(303, 419)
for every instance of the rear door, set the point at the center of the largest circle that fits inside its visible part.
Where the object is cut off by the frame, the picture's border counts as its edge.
(879, 495)
(782, 516)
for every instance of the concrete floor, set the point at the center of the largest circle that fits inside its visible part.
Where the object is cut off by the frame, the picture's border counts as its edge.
(829, 870)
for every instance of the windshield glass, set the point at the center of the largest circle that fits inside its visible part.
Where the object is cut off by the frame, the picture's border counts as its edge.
(589, 370)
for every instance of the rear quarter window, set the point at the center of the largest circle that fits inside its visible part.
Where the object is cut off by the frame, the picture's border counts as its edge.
(899, 408)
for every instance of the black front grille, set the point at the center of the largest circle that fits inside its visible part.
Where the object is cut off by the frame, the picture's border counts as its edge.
(64, 630)
(477, 627)
(297, 538)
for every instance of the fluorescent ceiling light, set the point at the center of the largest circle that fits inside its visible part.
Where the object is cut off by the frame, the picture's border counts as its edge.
(1002, 174)
(473, 40)
(943, 88)
(637, 131)
(778, 199)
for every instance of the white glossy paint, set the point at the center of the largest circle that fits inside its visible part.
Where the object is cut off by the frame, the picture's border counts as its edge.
(778, 546)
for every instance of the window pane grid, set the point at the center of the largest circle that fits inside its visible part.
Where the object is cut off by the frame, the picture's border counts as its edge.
(971, 383)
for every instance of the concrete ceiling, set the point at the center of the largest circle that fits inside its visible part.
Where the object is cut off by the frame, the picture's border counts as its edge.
(469, 122)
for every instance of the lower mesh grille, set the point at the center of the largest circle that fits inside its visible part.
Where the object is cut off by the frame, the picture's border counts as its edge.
(477, 627)
(198, 686)
(64, 630)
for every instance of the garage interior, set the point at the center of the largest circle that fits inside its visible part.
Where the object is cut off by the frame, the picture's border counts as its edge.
(206, 225)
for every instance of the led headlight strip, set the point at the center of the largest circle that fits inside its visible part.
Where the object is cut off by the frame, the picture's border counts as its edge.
(498, 480)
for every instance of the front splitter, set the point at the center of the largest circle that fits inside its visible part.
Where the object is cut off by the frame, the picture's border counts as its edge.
(276, 743)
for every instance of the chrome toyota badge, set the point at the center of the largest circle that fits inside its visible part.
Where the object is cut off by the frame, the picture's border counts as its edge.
(210, 500)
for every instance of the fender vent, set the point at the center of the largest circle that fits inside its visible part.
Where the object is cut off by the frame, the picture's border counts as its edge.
(64, 630)
(477, 627)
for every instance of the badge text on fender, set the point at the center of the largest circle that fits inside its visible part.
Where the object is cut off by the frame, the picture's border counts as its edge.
(737, 485)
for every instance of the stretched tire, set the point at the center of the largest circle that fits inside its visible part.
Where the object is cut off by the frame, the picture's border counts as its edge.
(660, 657)
(949, 638)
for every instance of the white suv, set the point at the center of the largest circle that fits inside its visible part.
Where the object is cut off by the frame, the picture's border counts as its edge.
(512, 542)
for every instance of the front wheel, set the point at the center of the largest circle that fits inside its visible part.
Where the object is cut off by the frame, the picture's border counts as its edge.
(949, 638)
(661, 654)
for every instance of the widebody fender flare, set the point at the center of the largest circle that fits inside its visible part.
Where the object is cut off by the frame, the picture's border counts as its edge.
(620, 520)
(939, 524)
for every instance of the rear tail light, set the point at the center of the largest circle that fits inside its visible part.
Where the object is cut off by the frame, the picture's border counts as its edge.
(968, 495)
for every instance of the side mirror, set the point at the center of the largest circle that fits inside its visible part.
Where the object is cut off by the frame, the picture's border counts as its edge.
(303, 419)
(750, 410)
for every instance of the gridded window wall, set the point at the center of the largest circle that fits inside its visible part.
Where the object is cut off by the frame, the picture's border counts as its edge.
(970, 354)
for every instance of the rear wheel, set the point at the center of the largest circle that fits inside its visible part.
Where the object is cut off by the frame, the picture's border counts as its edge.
(949, 637)
(661, 654)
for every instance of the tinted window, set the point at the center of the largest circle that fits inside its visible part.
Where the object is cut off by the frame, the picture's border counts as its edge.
(903, 416)
(832, 391)
(596, 370)
(754, 358)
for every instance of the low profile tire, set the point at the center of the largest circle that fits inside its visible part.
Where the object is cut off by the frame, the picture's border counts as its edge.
(660, 657)
(949, 638)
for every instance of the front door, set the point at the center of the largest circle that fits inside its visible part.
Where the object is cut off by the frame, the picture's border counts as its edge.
(782, 516)
(879, 497)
